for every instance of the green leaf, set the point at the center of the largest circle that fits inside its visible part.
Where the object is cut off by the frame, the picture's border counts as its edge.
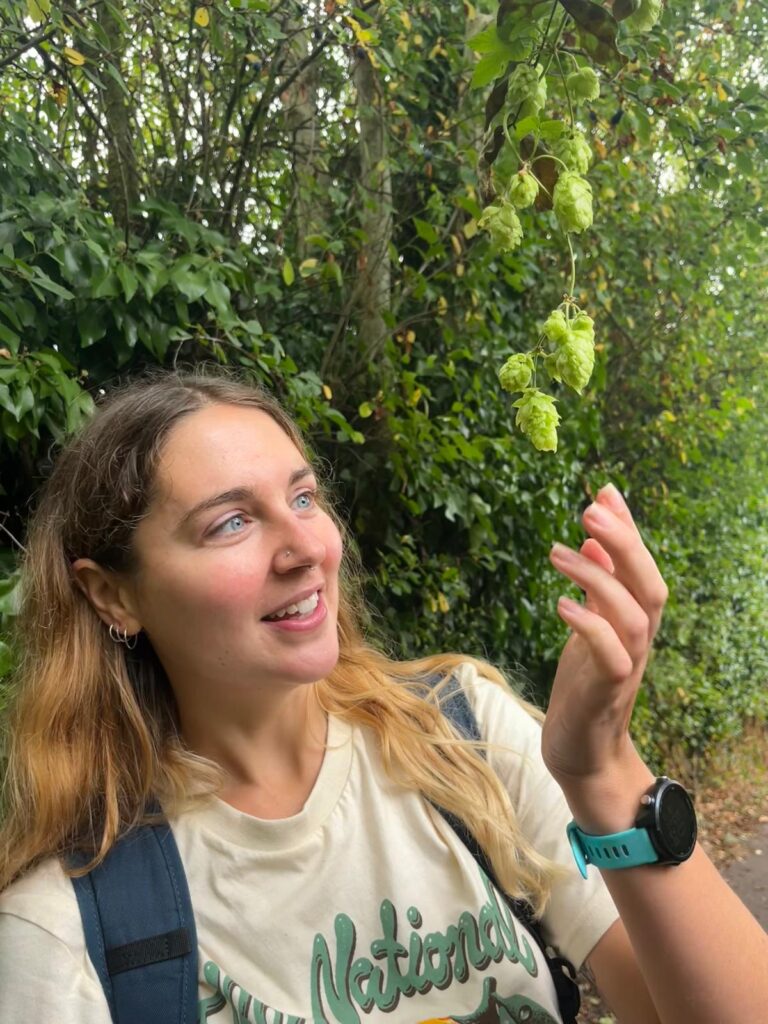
(45, 282)
(527, 126)
(217, 294)
(128, 280)
(551, 130)
(426, 231)
(492, 66)
(191, 285)
(91, 325)
(9, 338)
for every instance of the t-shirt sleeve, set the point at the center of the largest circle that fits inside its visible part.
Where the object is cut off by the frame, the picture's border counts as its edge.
(45, 972)
(579, 912)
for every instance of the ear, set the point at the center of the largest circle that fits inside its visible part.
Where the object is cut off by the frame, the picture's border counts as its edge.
(109, 596)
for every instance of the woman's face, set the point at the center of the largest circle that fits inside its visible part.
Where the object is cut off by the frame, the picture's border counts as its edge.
(233, 538)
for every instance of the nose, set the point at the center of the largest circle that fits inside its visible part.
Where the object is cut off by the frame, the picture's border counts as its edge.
(298, 548)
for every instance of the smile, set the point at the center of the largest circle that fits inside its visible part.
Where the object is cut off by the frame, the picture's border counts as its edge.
(301, 609)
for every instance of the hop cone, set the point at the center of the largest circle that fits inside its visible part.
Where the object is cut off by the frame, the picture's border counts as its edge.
(537, 417)
(584, 325)
(573, 362)
(523, 190)
(583, 84)
(645, 17)
(555, 326)
(527, 89)
(572, 202)
(503, 225)
(574, 151)
(515, 374)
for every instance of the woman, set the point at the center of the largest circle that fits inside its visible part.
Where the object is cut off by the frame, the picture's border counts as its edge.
(191, 633)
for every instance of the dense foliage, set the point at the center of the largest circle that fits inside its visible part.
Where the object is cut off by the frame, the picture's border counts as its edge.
(295, 188)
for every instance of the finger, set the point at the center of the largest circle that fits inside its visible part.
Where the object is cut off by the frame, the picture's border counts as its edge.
(592, 549)
(634, 565)
(609, 654)
(612, 498)
(608, 597)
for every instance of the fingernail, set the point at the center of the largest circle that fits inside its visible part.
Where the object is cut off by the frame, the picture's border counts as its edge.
(560, 551)
(568, 607)
(598, 515)
(614, 495)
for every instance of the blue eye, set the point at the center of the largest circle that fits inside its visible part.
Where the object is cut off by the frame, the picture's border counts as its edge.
(308, 497)
(227, 522)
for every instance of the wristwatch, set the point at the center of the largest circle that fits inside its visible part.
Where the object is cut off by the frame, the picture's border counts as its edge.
(664, 833)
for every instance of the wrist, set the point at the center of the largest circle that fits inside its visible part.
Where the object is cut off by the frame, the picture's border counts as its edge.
(610, 801)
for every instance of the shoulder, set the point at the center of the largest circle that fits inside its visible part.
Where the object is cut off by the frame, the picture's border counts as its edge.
(44, 898)
(45, 970)
(506, 722)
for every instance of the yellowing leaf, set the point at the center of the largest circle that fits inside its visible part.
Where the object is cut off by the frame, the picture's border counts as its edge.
(456, 244)
(415, 397)
(288, 274)
(459, 270)
(307, 266)
(722, 95)
(470, 228)
(405, 18)
(442, 603)
(74, 57)
(327, 392)
(202, 17)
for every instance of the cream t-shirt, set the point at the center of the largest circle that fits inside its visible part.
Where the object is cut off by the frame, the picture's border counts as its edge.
(365, 906)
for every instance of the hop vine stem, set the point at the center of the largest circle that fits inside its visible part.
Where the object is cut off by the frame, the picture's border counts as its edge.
(572, 284)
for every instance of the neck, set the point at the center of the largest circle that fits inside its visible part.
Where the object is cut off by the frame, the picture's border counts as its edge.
(271, 750)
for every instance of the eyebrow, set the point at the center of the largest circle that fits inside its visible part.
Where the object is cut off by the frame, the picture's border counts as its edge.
(236, 494)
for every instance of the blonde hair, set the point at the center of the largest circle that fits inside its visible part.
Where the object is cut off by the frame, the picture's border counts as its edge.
(92, 728)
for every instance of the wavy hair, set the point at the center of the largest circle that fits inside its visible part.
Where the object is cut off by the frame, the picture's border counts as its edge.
(92, 729)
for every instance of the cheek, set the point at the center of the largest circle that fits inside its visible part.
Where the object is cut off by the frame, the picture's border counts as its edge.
(227, 586)
(333, 548)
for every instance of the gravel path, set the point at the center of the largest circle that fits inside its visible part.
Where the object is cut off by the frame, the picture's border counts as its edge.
(748, 875)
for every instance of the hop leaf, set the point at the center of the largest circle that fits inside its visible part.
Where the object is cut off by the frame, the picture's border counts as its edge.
(537, 417)
(574, 150)
(573, 362)
(645, 17)
(583, 84)
(523, 190)
(572, 202)
(503, 225)
(555, 326)
(515, 374)
(527, 89)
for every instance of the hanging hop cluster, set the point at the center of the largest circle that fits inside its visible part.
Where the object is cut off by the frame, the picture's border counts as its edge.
(571, 361)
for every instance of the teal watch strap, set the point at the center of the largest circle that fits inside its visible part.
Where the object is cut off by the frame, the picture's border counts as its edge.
(627, 849)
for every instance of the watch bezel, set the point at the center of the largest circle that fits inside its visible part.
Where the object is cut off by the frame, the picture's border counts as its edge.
(650, 818)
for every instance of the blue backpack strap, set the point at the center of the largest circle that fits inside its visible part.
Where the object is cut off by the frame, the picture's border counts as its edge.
(140, 929)
(455, 705)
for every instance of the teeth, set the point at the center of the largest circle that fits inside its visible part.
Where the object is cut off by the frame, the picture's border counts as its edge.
(302, 607)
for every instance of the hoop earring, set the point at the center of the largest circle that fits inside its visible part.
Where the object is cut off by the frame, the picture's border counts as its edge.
(129, 641)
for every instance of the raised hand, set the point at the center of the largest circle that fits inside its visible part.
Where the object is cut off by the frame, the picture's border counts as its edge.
(586, 743)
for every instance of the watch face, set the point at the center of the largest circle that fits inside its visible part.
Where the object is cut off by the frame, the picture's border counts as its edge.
(676, 821)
